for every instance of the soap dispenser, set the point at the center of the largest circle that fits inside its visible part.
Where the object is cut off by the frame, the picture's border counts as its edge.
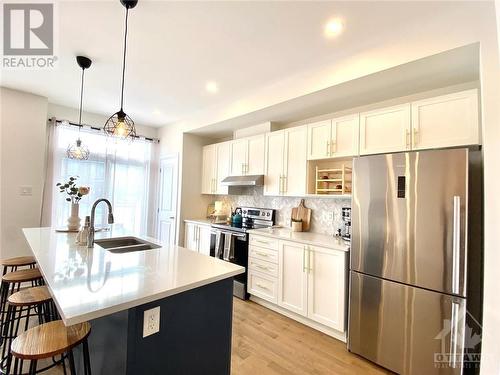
(81, 237)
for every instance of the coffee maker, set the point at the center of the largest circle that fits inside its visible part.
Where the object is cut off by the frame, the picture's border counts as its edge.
(346, 217)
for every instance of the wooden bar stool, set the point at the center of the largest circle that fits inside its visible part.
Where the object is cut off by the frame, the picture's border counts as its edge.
(11, 283)
(48, 340)
(12, 264)
(22, 306)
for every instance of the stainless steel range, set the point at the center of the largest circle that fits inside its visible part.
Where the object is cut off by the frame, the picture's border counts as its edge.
(230, 243)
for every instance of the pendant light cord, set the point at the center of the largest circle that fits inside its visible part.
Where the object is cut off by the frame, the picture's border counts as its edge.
(124, 56)
(81, 102)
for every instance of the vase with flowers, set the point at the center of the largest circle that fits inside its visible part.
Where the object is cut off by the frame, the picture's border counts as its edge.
(74, 195)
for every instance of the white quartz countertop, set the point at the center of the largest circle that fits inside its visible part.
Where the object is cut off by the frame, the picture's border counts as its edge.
(90, 283)
(308, 238)
(199, 221)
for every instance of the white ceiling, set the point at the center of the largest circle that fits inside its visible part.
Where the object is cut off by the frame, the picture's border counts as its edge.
(176, 47)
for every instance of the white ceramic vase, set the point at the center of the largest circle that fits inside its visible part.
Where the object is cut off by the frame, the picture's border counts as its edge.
(74, 219)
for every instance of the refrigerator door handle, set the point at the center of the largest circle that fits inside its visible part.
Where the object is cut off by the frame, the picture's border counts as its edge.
(455, 287)
(456, 323)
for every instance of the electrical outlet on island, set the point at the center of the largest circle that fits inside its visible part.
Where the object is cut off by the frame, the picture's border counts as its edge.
(151, 322)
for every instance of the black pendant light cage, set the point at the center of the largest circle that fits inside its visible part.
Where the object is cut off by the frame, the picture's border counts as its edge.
(78, 150)
(120, 124)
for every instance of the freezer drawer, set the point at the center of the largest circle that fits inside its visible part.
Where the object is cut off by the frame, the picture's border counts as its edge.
(408, 330)
(409, 218)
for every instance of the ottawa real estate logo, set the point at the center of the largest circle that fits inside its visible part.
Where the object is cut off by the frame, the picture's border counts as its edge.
(28, 36)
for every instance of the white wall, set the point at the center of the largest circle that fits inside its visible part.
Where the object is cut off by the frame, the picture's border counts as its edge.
(22, 152)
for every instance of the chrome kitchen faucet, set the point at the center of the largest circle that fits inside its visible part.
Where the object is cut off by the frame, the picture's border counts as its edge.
(111, 220)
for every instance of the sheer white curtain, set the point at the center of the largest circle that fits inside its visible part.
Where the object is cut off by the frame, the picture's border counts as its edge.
(118, 170)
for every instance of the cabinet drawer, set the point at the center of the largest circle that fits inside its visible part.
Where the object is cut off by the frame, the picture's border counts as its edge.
(262, 266)
(263, 254)
(265, 242)
(263, 286)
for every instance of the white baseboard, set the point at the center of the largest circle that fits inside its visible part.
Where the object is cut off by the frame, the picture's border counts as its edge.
(308, 322)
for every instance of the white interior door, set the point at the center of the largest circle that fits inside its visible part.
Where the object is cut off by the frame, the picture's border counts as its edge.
(292, 288)
(167, 200)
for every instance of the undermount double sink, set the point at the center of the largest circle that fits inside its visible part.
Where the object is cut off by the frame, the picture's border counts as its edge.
(125, 244)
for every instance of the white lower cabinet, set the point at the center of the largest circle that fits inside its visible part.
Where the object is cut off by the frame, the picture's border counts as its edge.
(309, 281)
(292, 289)
(197, 237)
(326, 287)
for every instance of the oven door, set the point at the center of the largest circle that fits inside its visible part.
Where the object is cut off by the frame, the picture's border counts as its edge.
(239, 256)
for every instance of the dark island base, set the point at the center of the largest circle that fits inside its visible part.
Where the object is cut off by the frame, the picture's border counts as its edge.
(194, 337)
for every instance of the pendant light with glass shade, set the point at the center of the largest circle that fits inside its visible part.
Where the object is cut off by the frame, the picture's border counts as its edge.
(78, 150)
(120, 124)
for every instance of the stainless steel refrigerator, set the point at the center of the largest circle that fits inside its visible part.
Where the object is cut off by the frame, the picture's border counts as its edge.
(415, 267)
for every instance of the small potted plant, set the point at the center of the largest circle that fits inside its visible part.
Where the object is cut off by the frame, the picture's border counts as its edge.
(74, 195)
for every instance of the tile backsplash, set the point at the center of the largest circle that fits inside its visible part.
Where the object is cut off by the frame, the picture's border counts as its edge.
(321, 208)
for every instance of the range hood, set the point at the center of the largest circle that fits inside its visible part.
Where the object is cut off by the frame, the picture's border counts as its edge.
(252, 180)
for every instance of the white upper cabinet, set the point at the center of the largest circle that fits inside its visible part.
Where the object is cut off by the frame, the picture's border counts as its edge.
(223, 157)
(294, 181)
(338, 137)
(256, 155)
(326, 286)
(239, 157)
(247, 156)
(275, 147)
(208, 170)
(385, 130)
(444, 121)
(319, 136)
(345, 136)
(286, 162)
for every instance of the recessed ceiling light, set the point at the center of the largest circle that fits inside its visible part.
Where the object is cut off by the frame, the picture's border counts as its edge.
(334, 27)
(211, 87)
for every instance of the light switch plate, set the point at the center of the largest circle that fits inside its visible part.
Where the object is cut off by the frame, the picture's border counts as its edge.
(26, 190)
(151, 323)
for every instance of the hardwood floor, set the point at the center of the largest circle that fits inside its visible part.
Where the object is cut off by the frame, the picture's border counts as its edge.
(265, 342)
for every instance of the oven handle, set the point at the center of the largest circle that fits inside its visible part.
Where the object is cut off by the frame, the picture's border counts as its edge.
(234, 234)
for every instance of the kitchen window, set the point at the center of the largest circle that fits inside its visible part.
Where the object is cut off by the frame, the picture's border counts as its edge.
(119, 170)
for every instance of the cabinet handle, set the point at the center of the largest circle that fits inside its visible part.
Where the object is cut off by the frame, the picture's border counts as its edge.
(261, 267)
(246, 168)
(415, 137)
(309, 252)
(407, 139)
(261, 254)
(242, 168)
(304, 259)
(328, 148)
(262, 286)
(333, 147)
(284, 184)
(262, 242)
(281, 184)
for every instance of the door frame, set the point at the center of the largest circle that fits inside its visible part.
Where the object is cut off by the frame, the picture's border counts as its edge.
(175, 158)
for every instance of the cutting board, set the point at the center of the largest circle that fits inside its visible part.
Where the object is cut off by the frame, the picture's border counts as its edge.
(302, 213)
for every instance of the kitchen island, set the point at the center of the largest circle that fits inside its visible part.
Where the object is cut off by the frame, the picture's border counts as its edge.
(112, 290)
